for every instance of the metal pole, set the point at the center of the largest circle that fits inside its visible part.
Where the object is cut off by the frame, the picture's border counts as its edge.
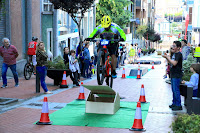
(37, 82)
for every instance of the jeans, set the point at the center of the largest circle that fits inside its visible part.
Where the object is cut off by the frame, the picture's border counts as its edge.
(195, 93)
(175, 84)
(86, 68)
(42, 71)
(4, 71)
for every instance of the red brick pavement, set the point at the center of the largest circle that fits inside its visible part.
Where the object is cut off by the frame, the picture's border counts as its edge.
(21, 120)
(27, 88)
(158, 93)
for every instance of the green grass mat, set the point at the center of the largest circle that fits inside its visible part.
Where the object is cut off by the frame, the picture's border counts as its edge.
(73, 114)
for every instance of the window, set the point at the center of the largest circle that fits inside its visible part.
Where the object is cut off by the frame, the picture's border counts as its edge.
(47, 6)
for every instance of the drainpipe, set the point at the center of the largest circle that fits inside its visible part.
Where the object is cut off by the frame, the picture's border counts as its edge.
(28, 21)
(8, 18)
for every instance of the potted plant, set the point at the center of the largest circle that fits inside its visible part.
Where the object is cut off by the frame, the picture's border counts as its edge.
(185, 123)
(56, 69)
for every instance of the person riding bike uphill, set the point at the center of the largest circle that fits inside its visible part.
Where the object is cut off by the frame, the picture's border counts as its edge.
(109, 31)
(32, 52)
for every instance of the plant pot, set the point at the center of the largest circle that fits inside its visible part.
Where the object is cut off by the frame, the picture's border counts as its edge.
(57, 75)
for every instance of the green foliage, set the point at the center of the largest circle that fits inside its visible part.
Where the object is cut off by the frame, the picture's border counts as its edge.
(186, 67)
(151, 35)
(141, 30)
(160, 41)
(114, 9)
(185, 123)
(58, 63)
(176, 14)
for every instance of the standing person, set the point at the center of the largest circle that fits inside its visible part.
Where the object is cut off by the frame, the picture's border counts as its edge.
(136, 51)
(86, 55)
(95, 52)
(32, 52)
(9, 53)
(197, 53)
(74, 67)
(132, 54)
(185, 49)
(41, 58)
(176, 74)
(66, 55)
(123, 55)
(194, 79)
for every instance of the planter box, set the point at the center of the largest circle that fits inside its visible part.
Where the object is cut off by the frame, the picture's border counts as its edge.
(57, 75)
(102, 100)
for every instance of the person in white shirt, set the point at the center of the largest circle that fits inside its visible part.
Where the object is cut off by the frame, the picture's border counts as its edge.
(74, 67)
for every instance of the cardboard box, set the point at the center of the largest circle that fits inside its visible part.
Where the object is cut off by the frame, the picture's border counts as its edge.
(102, 100)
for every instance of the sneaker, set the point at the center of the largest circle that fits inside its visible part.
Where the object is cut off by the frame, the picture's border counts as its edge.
(175, 108)
(4, 86)
(114, 74)
(48, 92)
(165, 76)
(16, 85)
(172, 105)
(77, 84)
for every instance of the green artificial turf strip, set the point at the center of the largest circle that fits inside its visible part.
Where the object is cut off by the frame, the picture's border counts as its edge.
(73, 114)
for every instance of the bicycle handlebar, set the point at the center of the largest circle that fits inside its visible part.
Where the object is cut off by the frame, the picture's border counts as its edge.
(99, 39)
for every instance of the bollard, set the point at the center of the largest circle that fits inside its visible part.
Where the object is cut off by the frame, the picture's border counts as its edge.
(37, 82)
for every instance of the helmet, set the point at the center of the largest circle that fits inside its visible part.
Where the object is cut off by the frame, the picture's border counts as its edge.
(34, 38)
(105, 21)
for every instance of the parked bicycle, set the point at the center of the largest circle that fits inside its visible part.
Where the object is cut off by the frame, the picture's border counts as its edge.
(28, 70)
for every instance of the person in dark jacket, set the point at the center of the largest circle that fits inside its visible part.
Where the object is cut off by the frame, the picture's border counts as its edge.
(41, 58)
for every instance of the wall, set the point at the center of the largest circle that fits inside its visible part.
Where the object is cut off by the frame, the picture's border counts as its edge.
(16, 26)
(46, 23)
(36, 19)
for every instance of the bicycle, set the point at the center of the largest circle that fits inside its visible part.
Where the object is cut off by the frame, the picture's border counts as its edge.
(104, 66)
(28, 70)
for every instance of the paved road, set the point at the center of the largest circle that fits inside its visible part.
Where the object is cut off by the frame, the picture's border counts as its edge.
(20, 117)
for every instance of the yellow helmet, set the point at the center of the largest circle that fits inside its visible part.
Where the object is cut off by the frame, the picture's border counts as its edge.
(105, 21)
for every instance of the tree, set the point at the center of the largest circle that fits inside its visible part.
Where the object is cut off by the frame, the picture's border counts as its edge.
(74, 8)
(114, 9)
(141, 30)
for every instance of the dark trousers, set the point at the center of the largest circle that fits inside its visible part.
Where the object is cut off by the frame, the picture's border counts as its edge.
(86, 68)
(74, 77)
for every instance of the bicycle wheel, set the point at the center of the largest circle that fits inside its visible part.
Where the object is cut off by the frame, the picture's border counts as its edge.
(28, 70)
(100, 67)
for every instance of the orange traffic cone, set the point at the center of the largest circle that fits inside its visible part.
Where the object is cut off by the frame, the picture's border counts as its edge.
(81, 93)
(64, 81)
(123, 73)
(44, 119)
(138, 64)
(137, 124)
(138, 74)
(152, 65)
(142, 95)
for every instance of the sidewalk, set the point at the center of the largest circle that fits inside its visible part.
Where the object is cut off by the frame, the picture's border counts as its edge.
(21, 117)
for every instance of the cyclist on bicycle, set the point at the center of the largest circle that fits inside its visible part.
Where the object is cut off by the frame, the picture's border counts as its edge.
(32, 52)
(109, 31)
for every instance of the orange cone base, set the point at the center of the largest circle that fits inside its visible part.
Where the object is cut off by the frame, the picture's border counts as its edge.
(123, 76)
(152, 68)
(81, 96)
(44, 123)
(63, 86)
(138, 77)
(142, 99)
(135, 129)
